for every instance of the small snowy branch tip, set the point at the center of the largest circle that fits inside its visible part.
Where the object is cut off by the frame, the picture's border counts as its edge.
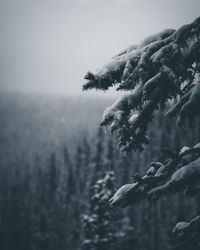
(162, 67)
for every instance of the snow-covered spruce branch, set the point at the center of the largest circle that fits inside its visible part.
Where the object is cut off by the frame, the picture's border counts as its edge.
(161, 67)
(180, 173)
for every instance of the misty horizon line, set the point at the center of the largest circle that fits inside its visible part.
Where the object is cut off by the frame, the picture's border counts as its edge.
(83, 94)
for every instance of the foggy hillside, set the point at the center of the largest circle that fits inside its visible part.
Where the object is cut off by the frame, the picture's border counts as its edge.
(34, 121)
(52, 153)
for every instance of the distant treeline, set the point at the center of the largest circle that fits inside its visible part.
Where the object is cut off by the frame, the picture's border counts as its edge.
(43, 197)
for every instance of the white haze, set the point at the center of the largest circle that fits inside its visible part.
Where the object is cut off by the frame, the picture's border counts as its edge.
(49, 45)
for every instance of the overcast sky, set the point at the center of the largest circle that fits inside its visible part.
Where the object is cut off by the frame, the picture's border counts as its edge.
(49, 45)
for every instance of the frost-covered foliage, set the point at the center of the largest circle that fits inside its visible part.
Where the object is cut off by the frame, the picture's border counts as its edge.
(97, 234)
(162, 67)
(182, 172)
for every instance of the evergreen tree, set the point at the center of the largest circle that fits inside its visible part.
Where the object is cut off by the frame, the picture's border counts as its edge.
(97, 233)
(86, 175)
(110, 156)
(67, 187)
(162, 67)
(52, 176)
(97, 163)
(65, 191)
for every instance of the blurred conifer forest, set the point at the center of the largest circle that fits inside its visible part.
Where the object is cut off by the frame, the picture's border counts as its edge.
(58, 170)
